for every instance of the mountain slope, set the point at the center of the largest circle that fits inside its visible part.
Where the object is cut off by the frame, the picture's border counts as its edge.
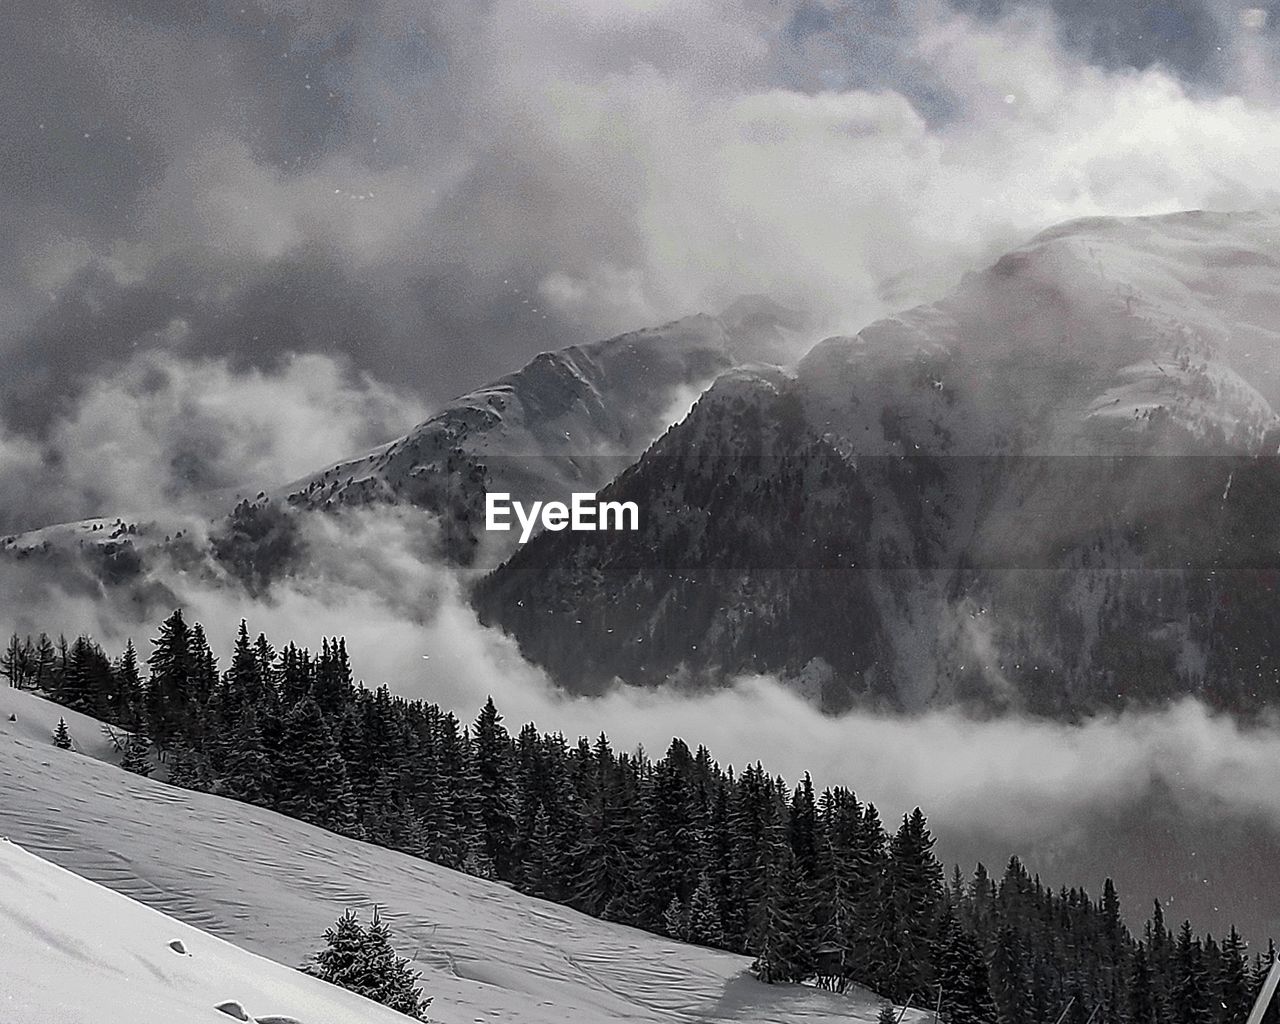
(77, 952)
(568, 421)
(1053, 490)
(272, 885)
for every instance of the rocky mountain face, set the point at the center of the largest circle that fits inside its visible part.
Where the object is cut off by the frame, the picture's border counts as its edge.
(1052, 490)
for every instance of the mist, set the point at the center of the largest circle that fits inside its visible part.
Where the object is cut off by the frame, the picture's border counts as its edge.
(1175, 804)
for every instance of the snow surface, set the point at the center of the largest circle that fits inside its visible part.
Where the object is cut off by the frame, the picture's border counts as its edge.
(76, 953)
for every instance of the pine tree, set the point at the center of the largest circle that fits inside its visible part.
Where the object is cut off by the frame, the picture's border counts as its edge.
(1143, 1006)
(13, 663)
(363, 960)
(781, 937)
(169, 690)
(914, 891)
(962, 977)
(1232, 984)
(187, 768)
(87, 683)
(492, 751)
(1190, 995)
(204, 667)
(137, 755)
(675, 919)
(313, 783)
(62, 736)
(887, 1014)
(537, 877)
(129, 692)
(1011, 978)
(668, 858)
(704, 927)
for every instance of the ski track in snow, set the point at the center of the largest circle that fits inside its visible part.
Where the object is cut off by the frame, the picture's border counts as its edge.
(273, 885)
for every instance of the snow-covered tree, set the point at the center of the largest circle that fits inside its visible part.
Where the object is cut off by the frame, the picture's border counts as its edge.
(363, 960)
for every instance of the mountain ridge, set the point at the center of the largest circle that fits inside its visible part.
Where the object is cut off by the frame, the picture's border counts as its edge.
(1064, 477)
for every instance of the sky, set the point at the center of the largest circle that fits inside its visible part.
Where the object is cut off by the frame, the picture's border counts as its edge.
(240, 241)
(425, 195)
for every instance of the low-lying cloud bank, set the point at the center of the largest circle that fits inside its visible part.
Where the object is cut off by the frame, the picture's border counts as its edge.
(1078, 801)
(370, 578)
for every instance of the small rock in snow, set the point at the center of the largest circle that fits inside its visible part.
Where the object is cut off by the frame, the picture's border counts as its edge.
(232, 1009)
(178, 947)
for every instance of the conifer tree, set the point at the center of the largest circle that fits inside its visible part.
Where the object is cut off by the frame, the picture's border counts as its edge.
(246, 772)
(914, 887)
(313, 783)
(965, 996)
(169, 690)
(537, 874)
(244, 677)
(1190, 996)
(675, 919)
(1144, 1007)
(137, 754)
(1232, 983)
(14, 663)
(364, 961)
(812, 888)
(62, 736)
(204, 667)
(704, 928)
(492, 758)
(781, 936)
(668, 859)
(129, 691)
(187, 768)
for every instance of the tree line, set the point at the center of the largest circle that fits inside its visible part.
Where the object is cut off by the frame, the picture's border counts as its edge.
(814, 886)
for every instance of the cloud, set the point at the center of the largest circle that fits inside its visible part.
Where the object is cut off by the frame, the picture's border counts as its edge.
(387, 182)
(167, 437)
(1175, 803)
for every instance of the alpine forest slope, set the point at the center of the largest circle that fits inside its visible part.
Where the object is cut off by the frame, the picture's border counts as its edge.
(536, 878)
(1052, 490)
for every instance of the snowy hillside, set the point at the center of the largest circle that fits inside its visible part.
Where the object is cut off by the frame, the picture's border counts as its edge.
(1051, 486)
(271, 885)
(77, 951)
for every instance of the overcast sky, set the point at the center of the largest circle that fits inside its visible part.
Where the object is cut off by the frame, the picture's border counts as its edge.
(420, 196)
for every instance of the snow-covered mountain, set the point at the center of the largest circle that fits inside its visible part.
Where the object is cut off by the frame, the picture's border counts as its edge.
(568, 421)
(271, 885)
(1052, 489)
